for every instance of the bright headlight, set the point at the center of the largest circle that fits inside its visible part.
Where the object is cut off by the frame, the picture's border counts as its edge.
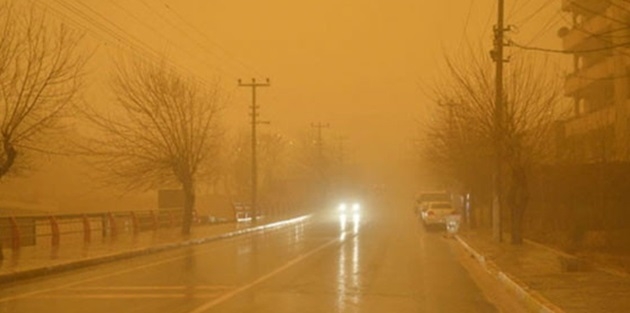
(356, 207)
(342, 207)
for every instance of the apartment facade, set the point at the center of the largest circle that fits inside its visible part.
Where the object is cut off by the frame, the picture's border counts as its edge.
(598, 39)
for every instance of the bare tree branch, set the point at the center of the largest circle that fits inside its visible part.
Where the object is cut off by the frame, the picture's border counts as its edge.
(40, 76)
(164, 129)
(462, 137)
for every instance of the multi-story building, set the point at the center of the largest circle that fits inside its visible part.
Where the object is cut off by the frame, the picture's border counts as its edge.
(599, 84)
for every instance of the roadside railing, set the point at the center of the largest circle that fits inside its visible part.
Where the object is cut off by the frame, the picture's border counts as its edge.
(54, 230)
(31, 230)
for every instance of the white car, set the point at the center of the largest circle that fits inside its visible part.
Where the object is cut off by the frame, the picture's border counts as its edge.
(425, 197)
(435, 213)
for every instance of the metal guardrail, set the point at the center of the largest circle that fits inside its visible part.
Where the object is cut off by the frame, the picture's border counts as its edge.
(29, 230)
(82, 228)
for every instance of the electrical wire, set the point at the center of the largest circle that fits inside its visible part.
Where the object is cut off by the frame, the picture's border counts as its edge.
(600, 37)
(525, 47)
(161, 34)
(120, 36)
(208, 39)
(470, 6)
(530, 16)
(185, 34)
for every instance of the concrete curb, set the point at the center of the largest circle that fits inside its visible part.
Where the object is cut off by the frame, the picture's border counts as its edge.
(530, 298)
(76, 264)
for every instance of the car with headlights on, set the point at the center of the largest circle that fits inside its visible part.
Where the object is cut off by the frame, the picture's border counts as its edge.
(349, 208)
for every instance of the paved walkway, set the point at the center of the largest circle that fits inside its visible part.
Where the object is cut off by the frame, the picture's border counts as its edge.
(73, 253)
(548, 280)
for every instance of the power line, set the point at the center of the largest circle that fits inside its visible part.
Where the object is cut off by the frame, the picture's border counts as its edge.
(618, 6)
(551, 22)
(600, 78)
(207, 39)
(160, 34)
(185, 34)
(489, 20)
(598, 36)
(577, 4)
(524, 47)
(530, 16)
(120, 37)
(470, 6)
(516, 8)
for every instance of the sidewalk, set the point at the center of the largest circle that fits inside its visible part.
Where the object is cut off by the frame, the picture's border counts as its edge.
(547, 280)
(30, 262)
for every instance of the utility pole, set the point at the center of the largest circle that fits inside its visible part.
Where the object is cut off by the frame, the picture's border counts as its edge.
(320, 146)
(320, 156)
(342, 152)
(254, 114)
(499, 109)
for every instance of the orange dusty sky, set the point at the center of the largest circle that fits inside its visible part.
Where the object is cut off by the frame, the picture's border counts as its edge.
(360, 65)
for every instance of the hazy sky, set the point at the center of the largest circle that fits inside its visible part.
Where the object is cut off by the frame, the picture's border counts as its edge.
(359, 65)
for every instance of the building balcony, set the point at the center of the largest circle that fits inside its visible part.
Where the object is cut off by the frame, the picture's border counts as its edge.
(585, 6)
(581, 37)
(587, 77)
(589, 122)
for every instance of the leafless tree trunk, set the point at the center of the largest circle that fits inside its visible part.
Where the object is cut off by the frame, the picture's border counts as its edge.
(40, 75)
(163, 130)
(461, 137)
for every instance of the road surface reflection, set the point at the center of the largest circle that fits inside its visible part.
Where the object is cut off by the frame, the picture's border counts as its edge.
(348, 279)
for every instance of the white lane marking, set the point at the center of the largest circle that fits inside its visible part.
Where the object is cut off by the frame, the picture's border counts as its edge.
(131, 269)
(145, 288)
(131, 296)
(263, 278)
(78, 282)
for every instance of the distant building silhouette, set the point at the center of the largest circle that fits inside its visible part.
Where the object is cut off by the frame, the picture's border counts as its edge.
(598, 40)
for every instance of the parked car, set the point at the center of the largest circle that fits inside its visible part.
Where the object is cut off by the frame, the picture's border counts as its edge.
(435, 213)
(430, 196)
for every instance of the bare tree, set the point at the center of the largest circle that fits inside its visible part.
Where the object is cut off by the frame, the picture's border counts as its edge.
(464, 136)
(237, 173)
(273, 164)
(164, 129)
(40, 76)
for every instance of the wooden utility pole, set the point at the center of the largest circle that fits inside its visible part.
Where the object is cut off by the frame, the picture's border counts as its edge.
(499, 121)
(342, 151)
(320, 141)
(254, 114)
(321, 164)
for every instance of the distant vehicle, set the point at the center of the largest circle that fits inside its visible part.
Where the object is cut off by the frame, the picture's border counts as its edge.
(430, 196)
(435, 213)
(349, 208)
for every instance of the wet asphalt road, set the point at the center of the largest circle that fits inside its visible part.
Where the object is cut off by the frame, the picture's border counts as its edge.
(377, 262)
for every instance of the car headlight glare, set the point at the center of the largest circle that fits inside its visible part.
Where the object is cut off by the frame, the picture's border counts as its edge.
(342, 207)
